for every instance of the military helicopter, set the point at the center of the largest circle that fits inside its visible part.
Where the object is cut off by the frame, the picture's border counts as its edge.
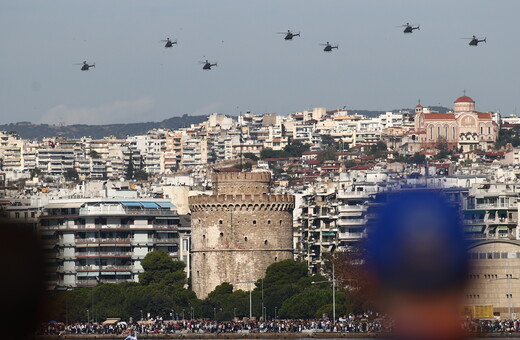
(409, 28)
(474, 41)
(289, 35)
(85, 66)
(207, 65)
(169, 43)
(328, 47)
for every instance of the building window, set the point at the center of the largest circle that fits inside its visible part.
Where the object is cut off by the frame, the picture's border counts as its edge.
(221, 234)
(17, 215)
(268, 221)
(245, 238)
(254, 221)
(220, 222)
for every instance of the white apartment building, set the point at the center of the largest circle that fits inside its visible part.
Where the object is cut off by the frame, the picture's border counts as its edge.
(97, 240)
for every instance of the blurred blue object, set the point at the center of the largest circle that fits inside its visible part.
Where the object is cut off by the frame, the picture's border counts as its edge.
(417, 243)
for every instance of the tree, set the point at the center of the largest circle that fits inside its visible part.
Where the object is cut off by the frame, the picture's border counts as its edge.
(71, 175)
(311, 304)
(418, 158)
(442, 146)
(296, 148)
(36, 172)
(328, 154)
(141, 175)
(270, 153)
(130, 169)
(251, 156)
(161, 269)
(377, 149)
(94, 154)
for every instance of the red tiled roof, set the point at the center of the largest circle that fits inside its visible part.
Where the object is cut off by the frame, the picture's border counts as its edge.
(439, 116)
(314, 162)
(485, 115)
(361, 167)
(464, 99)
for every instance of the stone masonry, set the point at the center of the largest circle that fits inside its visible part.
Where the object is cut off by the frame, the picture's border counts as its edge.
(239, 231)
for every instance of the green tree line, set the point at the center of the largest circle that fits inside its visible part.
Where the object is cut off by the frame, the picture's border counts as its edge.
(286, 290)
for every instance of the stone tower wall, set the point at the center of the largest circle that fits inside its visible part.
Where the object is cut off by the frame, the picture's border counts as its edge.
(241, 182)
(236, 237)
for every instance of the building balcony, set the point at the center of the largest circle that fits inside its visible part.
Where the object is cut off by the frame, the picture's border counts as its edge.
(350, 236)
(473, 222)
(352, 222)
(104, 254)
(104, 268)
(103, 240)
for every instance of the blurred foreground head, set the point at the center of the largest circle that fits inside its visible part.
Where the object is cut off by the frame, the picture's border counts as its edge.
(22, 284)
(417, 255)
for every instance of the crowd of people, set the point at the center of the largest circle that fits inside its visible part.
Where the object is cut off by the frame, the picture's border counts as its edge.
(352, 324)
(492, 326)
(349, 325)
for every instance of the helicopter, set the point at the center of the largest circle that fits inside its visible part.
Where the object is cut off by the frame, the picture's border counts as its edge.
(85, 66)
(474, 40)
(289, 35)
(169, 43)
(409, 28)
(328, 47)
(207, 65)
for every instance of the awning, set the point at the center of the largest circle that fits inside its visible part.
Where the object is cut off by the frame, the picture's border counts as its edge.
(108, 273)
(502, 228)
(474, 229)
(87, 274)
(47, 232)
(165, 205)
(131, 204)
(150, 205)
(111, 321)
(328, 233)
(64, 205)
(123, 273)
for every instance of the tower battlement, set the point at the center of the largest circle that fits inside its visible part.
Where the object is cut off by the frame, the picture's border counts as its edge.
(243, 202)
(234, 182)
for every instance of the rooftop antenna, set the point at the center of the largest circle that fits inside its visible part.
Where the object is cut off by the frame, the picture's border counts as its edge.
(464, 91)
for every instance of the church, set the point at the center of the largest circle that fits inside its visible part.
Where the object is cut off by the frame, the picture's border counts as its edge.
(463, 129)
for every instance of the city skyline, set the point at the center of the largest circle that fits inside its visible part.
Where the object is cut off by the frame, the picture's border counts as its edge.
(136, 79)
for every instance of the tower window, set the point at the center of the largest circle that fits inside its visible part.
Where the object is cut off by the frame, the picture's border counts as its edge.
(203, 236)
(265, 242)
(268, 221)
(254, 221)
(245, 238)
(220, 222)
(221, 234)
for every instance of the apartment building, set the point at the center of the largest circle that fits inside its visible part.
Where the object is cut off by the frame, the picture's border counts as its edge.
(95, 240)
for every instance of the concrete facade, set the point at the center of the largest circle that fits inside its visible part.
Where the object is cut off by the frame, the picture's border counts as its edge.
(238, 232)
(494, 277)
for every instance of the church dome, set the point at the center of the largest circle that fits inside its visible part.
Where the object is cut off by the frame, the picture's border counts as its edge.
(464, 104)
(464, 99)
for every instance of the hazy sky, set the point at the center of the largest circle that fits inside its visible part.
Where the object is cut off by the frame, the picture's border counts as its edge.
(136, 79)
